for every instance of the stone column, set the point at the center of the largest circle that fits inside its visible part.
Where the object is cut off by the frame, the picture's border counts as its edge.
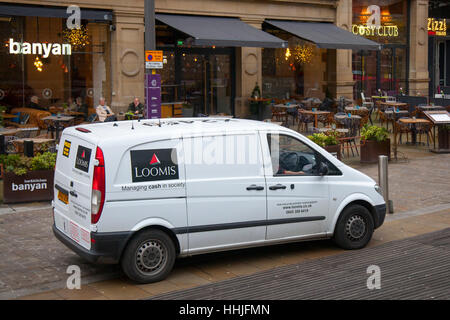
(340, 76)
(127, 46)
(248, 72)
(418, 54)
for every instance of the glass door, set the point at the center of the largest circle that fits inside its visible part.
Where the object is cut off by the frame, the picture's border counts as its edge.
(193, 81)
(205, 80)
(386, 70)
(219, 98)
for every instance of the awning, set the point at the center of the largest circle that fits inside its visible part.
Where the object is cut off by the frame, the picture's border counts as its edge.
(223, 32)
(325, 35)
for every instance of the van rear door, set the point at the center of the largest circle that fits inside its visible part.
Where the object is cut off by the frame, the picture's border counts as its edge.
(73, 187)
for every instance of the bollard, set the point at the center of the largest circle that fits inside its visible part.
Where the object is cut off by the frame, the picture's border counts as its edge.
(383, 182)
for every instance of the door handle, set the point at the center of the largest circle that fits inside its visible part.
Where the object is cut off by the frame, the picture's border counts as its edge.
(73, 194)
(277, 186)
(255, 187)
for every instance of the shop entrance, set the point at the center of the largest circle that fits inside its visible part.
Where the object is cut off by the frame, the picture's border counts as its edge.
(201, 77)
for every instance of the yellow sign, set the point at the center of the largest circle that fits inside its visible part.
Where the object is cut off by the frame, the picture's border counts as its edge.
(154, 56)
(437, 27)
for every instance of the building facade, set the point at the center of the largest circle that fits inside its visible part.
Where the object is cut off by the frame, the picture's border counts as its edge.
(107, 53)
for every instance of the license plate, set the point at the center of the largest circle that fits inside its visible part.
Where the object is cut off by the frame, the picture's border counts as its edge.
(64, 197)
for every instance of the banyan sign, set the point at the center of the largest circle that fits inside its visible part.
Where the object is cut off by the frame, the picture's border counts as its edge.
(44, 49)
(373, 27)
(437, 27)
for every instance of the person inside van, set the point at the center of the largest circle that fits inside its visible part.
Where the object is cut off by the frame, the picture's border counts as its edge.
(104, 112)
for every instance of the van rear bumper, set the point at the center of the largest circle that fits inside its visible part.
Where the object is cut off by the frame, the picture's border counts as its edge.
(380, 214)
(105, 247)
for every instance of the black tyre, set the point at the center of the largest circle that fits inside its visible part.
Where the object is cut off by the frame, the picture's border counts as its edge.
(354, 228)
(149, 256)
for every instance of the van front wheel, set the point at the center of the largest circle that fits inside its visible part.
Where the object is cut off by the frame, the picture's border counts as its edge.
(149, 257)
(354, 228)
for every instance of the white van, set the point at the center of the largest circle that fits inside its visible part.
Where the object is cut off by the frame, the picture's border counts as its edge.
(143, 193)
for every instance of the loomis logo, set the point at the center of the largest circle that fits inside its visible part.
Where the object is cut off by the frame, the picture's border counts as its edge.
(83, 158)
(154, 165)
(155, 160)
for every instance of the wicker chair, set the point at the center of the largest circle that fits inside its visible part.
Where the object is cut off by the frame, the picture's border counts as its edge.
(402, 128)
(304, 120)
(279, 114)
(425, 128)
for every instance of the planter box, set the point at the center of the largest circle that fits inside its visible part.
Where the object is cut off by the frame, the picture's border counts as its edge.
(33, 186)
(334, 150)
(370, 150)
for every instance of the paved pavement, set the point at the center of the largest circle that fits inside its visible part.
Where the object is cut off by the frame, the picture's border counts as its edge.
(413, 268)
(32, 261)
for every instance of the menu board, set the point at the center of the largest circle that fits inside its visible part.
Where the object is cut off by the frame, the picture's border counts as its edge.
(438, 117)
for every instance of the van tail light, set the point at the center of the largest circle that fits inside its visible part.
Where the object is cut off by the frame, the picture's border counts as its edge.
(98, 187)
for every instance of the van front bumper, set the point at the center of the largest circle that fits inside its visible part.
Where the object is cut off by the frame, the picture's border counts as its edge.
(106, 247)
(380, 214)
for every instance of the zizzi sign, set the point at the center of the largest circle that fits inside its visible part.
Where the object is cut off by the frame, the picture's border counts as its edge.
(437, 27)
(154, 165)
(44, 49)
(373, 25)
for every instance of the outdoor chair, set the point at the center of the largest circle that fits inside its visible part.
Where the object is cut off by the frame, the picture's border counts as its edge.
(326, 119)
(425, 128)
(303, 121)
(402, 128)
(369, 104)
(279, 114)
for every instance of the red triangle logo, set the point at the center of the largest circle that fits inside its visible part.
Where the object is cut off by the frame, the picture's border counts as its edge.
(154, 160)
(82, 155)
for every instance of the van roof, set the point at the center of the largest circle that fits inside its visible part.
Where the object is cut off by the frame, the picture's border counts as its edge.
(170, 127)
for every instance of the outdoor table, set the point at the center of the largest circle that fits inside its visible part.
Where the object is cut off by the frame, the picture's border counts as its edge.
(56, 121)
(395, 105)
(350, 109)
(394, 114)
(343, 131)
(431, 108)
(315, 114)
(8, 116)
(412, 122)
(260, 102)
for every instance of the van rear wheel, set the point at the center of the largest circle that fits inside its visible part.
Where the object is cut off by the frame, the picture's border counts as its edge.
(149, 257)
(354, 228)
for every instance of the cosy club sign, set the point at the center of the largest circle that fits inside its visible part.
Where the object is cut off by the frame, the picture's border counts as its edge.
(372, 18)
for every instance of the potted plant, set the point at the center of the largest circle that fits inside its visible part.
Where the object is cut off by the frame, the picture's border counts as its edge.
(28, 179)
(328, 141)
(188, 110)
(374, 143)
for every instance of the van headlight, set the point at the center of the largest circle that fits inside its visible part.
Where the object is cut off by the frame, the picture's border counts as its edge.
(378, 189)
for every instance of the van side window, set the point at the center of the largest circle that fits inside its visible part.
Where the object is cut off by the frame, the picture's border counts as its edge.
(291, 156)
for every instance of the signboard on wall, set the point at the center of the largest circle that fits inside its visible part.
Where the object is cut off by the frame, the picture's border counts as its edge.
(373, 26)
(437, 27)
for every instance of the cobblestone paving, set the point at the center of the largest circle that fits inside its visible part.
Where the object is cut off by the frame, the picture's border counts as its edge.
(32, 260)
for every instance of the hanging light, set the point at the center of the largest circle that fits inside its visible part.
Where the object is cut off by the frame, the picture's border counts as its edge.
(78, 38)
(38, 64)
(287, 55)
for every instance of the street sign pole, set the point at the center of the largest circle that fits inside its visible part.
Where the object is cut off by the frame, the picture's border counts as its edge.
(152, 94)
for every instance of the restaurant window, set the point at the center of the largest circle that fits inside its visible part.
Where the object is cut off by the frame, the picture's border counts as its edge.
(41, 57)
(386, 23)
(294, 72)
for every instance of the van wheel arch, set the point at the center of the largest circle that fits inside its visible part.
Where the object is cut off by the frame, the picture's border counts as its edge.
(167, 231)
(363, 203)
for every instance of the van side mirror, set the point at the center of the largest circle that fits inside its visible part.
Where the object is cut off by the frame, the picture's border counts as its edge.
(323, 169)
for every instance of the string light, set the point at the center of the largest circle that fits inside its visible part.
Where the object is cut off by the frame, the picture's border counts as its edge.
(300, 53)
(38, 64)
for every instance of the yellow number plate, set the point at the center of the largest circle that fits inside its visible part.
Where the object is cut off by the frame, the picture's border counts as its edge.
(64, 197)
